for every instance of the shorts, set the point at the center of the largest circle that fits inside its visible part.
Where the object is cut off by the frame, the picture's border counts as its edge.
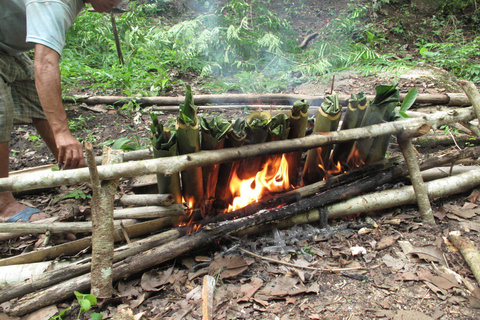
(19, 102)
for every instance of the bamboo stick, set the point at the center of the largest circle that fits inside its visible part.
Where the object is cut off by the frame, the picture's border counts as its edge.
(146, 200)
(176, 209)
(451, 99)
(410, 156)
(202, 158)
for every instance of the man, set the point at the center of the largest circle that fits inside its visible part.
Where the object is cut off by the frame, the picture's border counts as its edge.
(31, 93)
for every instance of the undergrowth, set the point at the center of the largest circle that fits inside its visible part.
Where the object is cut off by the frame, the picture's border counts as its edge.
(244, 47)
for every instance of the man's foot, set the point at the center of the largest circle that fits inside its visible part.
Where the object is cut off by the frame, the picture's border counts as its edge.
(12, 211)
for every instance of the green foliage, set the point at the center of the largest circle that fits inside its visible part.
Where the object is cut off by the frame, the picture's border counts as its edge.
(77, 194)
(243, 47)
(459, 57)
(86, 302)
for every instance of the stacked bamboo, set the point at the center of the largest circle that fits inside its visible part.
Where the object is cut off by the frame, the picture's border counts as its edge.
(207, 190)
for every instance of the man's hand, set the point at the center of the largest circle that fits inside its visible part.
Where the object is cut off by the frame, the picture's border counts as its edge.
(69, 151)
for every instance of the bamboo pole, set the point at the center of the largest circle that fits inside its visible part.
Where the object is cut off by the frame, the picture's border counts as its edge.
(102, 221)
(203, 158)
(451, 99)
(146, 200)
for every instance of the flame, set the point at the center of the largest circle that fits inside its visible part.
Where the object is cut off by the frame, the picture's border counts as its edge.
(354, 159)
(272, 178)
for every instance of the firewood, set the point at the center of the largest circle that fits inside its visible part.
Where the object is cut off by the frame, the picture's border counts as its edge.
(214, 231)
(180, 163)
(73, 247)
(56, 276)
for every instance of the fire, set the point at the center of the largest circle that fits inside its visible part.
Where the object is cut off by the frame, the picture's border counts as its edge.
(354, 159)
(272, 178)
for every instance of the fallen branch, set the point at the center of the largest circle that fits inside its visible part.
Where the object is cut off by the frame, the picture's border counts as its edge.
(305, 267)
(469, 252)
(307, 39)
(180, 163)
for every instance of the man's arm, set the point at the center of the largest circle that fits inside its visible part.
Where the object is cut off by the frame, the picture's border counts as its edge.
(47, 82)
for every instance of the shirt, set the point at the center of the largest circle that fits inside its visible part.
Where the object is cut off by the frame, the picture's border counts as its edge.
(24, 23)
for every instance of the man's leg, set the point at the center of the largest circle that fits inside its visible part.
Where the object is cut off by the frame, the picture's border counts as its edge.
(8, 205)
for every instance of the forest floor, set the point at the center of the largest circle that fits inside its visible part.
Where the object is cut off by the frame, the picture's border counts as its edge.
(391, 284)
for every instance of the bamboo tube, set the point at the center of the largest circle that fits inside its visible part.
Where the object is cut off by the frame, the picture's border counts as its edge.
(327, 120)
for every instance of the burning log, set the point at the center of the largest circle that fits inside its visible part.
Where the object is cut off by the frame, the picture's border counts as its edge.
(203, 158)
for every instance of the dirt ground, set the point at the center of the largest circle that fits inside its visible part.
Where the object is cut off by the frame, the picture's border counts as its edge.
(386, 280)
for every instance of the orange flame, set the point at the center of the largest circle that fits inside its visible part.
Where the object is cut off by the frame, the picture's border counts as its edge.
(272, 178)
(354, 159)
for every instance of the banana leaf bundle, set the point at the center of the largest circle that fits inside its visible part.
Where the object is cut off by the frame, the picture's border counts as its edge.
(327, 119)
(257, 132)
(188, 140)
(164, 144)
(381, 109)
(214, 133)
(235, 137)
(298, 127)
(356, 108)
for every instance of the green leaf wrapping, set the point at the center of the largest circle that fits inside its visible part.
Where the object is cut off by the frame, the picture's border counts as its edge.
(188, 141)
(379, 110)
(214, 133)
(188, 110)
(298, 127)
(328, 118)
(356, 108)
